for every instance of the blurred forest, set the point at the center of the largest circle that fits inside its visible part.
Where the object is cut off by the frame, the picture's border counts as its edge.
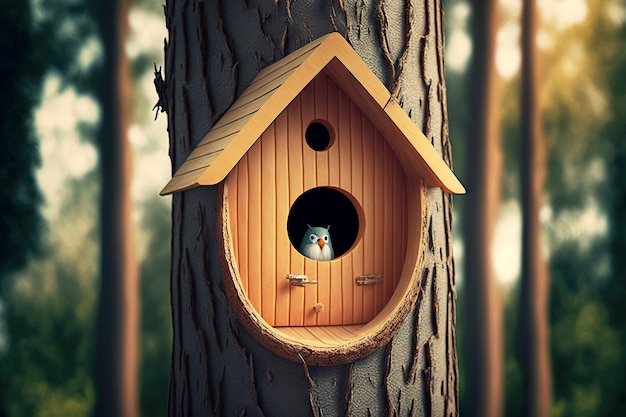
(51, 185)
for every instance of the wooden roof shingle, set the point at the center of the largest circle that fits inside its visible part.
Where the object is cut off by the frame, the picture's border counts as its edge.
(277, 85)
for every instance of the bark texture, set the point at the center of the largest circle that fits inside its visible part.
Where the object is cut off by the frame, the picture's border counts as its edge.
(484, 348)
(118, 311)
(533, 337)
(213, 51)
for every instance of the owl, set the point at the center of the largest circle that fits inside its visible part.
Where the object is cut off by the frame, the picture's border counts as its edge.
(316, 244)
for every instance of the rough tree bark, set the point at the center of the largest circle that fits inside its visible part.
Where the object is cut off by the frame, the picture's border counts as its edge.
(484, 348)
(213, 52)
(118, 311)
(533, 336)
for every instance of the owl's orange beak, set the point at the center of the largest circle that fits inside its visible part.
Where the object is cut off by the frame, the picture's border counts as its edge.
(320, 243)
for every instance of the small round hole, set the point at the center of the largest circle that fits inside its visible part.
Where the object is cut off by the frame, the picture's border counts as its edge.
(319, 208)
(318, 136)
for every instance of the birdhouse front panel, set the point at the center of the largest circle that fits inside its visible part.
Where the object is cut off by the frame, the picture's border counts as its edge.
(322, 163)
(322, 178)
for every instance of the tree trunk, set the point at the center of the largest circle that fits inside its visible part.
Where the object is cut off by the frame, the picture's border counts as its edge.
(483, 307)
(214, 51)
(533, 337)
(118, 311)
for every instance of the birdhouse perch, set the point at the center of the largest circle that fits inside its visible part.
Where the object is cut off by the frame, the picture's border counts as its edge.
(316, 140)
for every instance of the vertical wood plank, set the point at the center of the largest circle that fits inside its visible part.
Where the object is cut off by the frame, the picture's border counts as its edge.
(310, 292)
(405, 229)
(276, 171)
(309, 175)
(389, 213)
(399, 247)
(242, 191)
(296, 187)
(369, 247)
(322, 167)
(356, 142)
(379, 219)
(345, 181)
(333, 118)
(320, 112)
(283, 246)
(336, 290)
(307, 103)
(254, 223)
(268, 226)
(321, 97)
(232, 188)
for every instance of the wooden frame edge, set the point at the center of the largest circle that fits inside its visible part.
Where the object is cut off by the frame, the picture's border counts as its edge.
(374, 335)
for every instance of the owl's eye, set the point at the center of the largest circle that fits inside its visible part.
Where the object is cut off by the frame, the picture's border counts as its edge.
(313, 238)
(325, 238)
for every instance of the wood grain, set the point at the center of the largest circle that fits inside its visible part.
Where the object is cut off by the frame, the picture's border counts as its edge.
(278, 169)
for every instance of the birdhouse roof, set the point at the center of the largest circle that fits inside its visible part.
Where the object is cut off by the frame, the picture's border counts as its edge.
(277, 85)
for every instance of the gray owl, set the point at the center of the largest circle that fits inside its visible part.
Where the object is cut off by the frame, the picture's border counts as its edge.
(316, 244)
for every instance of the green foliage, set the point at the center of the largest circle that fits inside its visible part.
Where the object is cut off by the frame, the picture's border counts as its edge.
(21, 72)
(512, 370)
(48, 367)
(588, 350)
(586, 353)
(50, 318)
(68, 41)
(581, 108)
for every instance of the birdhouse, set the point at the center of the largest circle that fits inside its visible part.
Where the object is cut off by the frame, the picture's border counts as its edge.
(322, 180)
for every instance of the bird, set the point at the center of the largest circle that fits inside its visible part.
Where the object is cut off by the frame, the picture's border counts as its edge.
(316, 244)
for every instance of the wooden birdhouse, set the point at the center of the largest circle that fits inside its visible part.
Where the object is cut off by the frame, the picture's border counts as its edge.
(316, 139)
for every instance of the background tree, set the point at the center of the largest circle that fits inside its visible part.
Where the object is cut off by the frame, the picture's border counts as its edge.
(533, 318)
(214, 51)
(482, 306)
(117, 342)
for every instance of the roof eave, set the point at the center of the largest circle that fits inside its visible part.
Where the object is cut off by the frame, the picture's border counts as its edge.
(337, 58)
